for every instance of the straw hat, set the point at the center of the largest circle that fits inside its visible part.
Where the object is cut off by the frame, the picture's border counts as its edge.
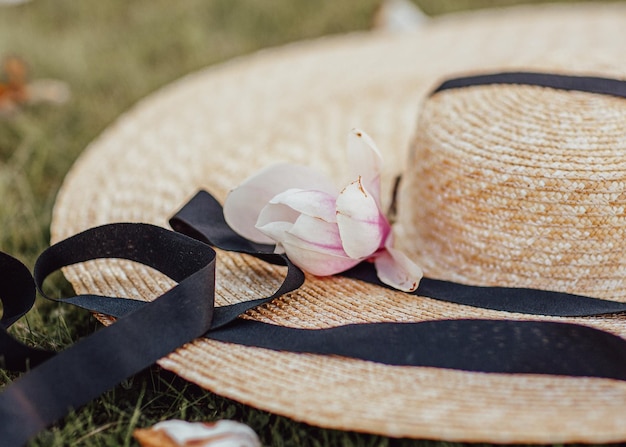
(297, 104)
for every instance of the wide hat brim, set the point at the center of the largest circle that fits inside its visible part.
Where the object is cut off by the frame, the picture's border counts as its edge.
(213, 129)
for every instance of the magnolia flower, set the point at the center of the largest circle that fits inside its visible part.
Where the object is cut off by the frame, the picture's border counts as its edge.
(323, 230)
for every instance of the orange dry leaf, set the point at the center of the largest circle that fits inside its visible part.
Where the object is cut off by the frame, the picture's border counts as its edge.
(13, 88)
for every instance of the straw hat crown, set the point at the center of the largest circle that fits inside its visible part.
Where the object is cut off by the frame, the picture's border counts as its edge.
(522, 186)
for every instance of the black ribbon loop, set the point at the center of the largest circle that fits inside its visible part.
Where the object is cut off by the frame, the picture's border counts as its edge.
(17, 294)
(144, 333)
(174, 255)
(85, 370)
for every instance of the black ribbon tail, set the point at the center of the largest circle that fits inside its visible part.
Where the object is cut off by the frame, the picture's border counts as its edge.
(492, 346)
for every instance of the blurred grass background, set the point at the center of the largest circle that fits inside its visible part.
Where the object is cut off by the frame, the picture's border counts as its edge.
(112, 53)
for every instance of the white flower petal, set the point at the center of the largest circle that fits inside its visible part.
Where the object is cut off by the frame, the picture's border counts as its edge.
(365, 160)
(315, 247)
(275, 230)
(204, 434)
(276, 212)
(361, 225)
(312, 203)
(316, 263)
(315, 234)
(244, 204)
(395, 269)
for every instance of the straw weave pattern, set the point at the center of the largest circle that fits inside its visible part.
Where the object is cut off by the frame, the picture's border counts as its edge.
(520, 186)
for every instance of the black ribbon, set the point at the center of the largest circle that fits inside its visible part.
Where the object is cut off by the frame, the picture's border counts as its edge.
(203, 219)
(504, 299)
(146, 332)
(493, 346)
(17, 293)
(589, 84)
(82, 372)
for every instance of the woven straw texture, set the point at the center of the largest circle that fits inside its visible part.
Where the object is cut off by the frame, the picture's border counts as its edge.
(214, 128)
(520, 186)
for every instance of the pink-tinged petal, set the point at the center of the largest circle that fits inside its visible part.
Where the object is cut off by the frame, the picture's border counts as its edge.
(312, 203)
(276, 232)
(365, 160)
(316, 263)
(395, 269)
(315, 246)
(315, 234)
(276, 212)
(361, 225)
(244, 204)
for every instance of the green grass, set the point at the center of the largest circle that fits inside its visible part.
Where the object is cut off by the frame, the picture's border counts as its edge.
(112, 53)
